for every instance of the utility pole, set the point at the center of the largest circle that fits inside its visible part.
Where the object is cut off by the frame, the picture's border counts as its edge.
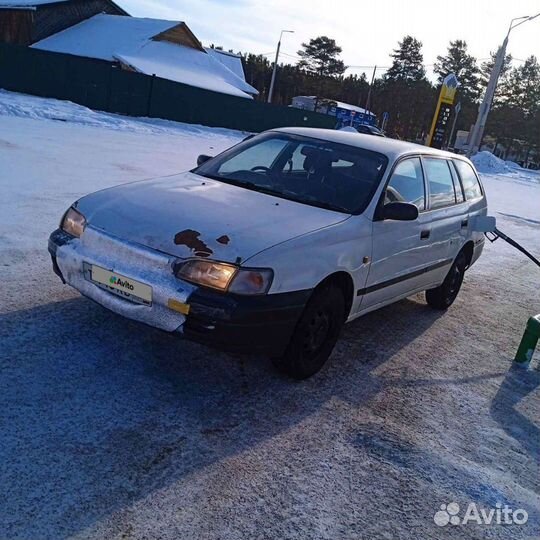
(457, 109)
(272, 82)
(483, 110)
(368, 99)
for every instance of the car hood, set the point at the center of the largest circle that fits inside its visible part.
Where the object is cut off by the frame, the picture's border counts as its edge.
(189, 215)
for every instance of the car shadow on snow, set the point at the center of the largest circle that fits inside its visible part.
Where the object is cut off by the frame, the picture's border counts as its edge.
(517, 385)
(411, 467)
(100, 411)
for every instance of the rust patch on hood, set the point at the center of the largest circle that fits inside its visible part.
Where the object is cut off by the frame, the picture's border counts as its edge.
(223, 239)
(190, 238)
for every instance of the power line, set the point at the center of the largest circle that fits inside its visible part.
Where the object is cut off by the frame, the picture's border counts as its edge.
(291, 55)
(368, 67)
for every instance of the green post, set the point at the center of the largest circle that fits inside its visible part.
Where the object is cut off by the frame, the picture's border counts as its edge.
(528, 341)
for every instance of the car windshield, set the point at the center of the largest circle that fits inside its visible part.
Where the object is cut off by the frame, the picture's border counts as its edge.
(311, 171)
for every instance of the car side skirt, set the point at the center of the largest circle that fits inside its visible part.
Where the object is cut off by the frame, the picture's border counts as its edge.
(399, 279)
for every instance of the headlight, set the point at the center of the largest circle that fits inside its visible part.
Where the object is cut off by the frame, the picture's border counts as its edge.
(225, 277)
(73, 222)
(209, 273)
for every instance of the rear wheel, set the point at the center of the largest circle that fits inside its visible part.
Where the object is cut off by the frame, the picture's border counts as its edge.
(443, 297)
(316, 334)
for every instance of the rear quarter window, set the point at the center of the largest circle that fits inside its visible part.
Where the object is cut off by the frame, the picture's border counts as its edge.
(469, 180)
(441, 184)
(460, 197)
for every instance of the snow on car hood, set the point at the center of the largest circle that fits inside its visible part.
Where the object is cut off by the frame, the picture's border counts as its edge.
(189, 215)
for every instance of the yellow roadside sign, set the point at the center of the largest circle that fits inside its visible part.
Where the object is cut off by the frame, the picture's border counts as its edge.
(443, 110)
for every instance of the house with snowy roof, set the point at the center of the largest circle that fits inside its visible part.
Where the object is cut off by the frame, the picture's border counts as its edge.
(166, 49)
(23, 22)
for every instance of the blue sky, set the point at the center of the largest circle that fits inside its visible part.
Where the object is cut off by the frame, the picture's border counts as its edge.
(366, 32)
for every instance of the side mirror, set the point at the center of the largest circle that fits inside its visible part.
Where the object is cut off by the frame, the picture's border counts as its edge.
(400, 211)
(202, 159)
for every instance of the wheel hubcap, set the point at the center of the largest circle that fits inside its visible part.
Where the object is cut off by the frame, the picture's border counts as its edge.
(454, 282)
(316, 332)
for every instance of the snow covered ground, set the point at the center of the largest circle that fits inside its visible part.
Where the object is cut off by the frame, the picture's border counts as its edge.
(113, 430)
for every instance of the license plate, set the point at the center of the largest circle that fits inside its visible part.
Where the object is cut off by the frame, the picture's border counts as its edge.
(123, 286)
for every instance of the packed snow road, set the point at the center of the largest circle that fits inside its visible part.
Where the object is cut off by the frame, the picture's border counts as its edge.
(110, 429)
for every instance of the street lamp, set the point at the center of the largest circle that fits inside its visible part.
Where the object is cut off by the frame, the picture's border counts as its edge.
(271, 91)
(483, 110)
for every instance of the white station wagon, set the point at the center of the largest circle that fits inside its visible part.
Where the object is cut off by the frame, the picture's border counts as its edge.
(273, 245)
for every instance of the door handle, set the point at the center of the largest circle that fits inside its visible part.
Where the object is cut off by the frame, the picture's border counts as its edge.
(464, 223)
(425, 234)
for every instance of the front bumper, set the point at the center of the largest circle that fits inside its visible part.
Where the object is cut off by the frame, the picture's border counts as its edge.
(255, 324)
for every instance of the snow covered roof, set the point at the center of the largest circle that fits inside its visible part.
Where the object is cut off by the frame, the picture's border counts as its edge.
(231, 60)
(139, 43)
(185, 65)
(25, 4)
(101, 36)
(350, 107)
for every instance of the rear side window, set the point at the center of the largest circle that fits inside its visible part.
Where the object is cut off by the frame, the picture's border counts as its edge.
(441, 185)
(407, 184)
(470, 183)
(457, 184)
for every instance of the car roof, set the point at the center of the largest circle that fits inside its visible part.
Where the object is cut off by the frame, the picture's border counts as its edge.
(391, 148)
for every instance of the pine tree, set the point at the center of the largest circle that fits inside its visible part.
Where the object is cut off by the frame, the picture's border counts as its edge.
(257, 71)
(487, 66)
(524, 82)
(463, 65)
(320, 56)
(503, 85)
(515, 119)
(407, 64)
(405, 93)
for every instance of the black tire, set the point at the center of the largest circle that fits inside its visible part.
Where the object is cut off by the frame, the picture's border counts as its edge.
(443, 297)
(315, 335)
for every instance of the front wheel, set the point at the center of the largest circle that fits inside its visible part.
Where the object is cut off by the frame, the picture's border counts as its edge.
(443, 297)
(316, 334)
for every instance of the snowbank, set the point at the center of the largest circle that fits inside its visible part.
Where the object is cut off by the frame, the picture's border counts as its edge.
(512, 164)
(37, 108)
(486, 162)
